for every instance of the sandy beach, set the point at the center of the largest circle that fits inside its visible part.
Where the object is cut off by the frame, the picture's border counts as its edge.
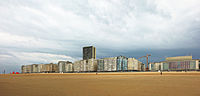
(101, 84)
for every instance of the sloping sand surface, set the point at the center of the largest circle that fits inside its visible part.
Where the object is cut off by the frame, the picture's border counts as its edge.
(102, 84)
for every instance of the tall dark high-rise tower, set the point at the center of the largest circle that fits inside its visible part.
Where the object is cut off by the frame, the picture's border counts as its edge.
(89, 52)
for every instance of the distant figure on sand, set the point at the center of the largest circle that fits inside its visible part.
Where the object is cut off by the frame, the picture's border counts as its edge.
(160, 72)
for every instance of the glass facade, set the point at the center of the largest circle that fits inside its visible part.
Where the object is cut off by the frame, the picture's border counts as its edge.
(122, 63)
(179, 65)
(100, 64)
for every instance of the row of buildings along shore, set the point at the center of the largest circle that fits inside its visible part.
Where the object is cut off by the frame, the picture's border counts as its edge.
(113, 64)
(179, 63)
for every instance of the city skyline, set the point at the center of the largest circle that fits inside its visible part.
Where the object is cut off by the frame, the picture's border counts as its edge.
(50, 31)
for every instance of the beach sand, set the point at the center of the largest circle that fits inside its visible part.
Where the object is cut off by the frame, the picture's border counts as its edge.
(102, 84)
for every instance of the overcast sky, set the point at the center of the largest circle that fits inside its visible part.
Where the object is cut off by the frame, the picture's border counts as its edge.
(44, 31)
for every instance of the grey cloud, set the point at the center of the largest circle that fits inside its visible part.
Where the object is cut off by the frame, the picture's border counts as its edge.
(115, 27)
